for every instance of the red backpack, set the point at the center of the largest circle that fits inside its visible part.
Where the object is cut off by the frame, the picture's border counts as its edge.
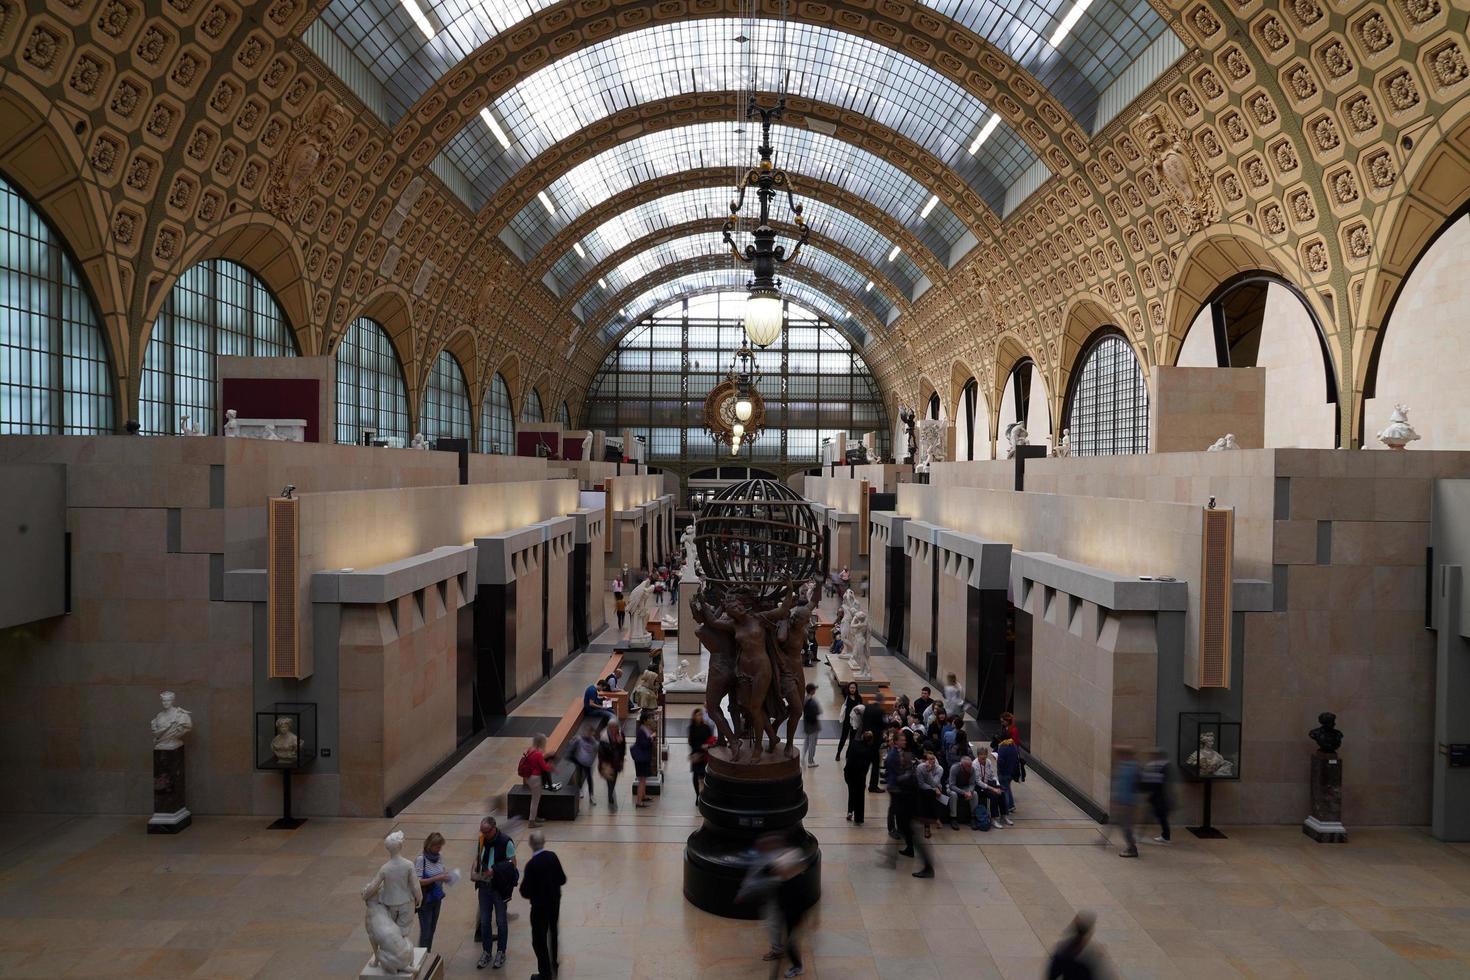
(524, 769)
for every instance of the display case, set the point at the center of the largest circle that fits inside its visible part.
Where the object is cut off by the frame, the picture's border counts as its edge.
(1209, 747)
(286, 736)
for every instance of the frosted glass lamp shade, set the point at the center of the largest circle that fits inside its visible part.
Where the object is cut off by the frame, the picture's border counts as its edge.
(763, 317)
(743, 408)
(737, 430)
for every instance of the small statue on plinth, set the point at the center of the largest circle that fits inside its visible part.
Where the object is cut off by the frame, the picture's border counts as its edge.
(169, 727)
(1398, 433)
(1325, 824)
(286, 746)
(232, 423)
(390, 899)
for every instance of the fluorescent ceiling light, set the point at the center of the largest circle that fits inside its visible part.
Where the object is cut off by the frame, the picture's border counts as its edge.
(418, 18)
(868, 287)
(545, 202)
(893, 254)
(577, 247)
(500, 136)
(985, 132)
(929, 206)
(602, 282)
(1069, 22)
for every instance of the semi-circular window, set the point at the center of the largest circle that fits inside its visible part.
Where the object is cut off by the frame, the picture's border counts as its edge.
(446, 413)
(1108, 411)
(497, 421)
(371, 393)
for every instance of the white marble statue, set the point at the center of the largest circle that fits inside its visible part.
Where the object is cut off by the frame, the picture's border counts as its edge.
(1017, 436)
(680, 674)
(269, 433)
(232, 425)
(171, 724)
(635, 625)
(855, 644)
(286, 746)
(1398, 433)
(686, 542)
(587, 446)
(931, 442)
(1207, 762)
(1225, 442)
(391, 898)
(644, 695)
(186, 427)
(850, 605)
(1064, 448)
(419, 442)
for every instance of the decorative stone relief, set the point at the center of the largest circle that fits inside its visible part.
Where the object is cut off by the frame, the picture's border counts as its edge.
(304, 158)
(1180, 169)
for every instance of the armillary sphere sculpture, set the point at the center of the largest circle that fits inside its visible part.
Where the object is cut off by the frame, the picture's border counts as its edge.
(759, 548)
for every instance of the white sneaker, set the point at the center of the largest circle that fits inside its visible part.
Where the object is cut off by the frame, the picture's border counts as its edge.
(998, 824)
(1162, 840)
(1008, 821)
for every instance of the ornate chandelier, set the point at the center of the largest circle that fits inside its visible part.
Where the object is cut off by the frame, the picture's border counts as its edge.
(763, 305)
(734, 411)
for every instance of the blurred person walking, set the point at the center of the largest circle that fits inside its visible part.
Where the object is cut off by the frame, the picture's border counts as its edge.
(1125, 797)
(1153, 779)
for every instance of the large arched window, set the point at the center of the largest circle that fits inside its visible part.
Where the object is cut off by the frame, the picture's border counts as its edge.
(935, 410)
(1107, 408)
(497, 422)
(446, 413)
(55, 375)
(564, 416)
(1024, 399)
(972, 431)
(216, 308)
(532, 411)
(371, 393)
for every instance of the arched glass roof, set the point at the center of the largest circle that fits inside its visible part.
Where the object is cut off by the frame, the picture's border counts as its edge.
(668, 60)
(407, 45)
(648, 262)
(710, 280)
(663, 155)
(626, 227)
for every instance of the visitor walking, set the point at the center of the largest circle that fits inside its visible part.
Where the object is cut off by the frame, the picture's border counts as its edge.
(541, 886)
(644, 745)
(612, 752)
(495, 876)
(861, 754)
(791, 900)
(584, 757)
(851, 701)
(621, 605)
(811, 725)
(1125, 797)
(903, 787)
(1153, 779)
(429, 866)
(954, 697)
(536, 774)
(1008, 768)
(701, 737)
(1072, 960)
(874, 724)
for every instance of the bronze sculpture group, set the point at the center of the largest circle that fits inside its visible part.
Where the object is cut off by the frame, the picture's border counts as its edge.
(755, 660)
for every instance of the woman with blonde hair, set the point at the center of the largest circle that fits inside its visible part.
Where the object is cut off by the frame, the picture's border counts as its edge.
(429, 866)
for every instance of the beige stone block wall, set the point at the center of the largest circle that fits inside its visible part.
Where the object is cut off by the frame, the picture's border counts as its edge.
(486, 468)
(528, 622)
(920, 614)
(1191, 407)
(419, 688)
(953, 625)
(991, 474)
(597, 583)
(558, 604)
(877, 581)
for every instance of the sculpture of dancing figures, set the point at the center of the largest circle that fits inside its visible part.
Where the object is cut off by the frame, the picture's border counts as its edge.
(720, 679)
(636, 624)
(1398, 433)
(390, 898)
(855, 649)
(790, 642)
(1207, 762)
(171, 724)
(753, 672)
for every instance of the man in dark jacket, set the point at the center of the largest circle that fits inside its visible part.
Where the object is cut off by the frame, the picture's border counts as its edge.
(873, 721)
(541, 886)
(494, 876)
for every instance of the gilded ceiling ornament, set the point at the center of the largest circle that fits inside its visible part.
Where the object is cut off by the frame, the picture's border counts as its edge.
(304, 158)
(1180, 169)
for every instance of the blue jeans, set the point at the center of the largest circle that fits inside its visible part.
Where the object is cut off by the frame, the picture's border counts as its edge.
(428, 922)
(1005, 784)
(490, 902)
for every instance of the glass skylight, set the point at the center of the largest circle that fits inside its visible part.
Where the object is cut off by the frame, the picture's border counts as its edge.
(649, 262)
(668, 60)
(660, 156)
(716, 280)
(1110, 35)
(712, 203)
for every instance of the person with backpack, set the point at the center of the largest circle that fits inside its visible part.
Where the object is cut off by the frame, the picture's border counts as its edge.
(612, 751)
(644, 745)
(429, 866)
(536, 772)
(811, 725)
(495, 876)
(584, 757)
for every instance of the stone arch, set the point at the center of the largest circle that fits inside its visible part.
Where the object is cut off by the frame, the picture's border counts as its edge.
(43, 159)
(978, 444)
(1084, 316)
(1010, 353)
(927, 391)
(392, 307)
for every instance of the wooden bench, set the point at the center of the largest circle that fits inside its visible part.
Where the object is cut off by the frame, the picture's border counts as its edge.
(563, 804)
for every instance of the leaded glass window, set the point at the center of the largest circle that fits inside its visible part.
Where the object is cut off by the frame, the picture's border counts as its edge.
(564, 416)
(531, 411)
(216, 308)
(497, 423)
(1109, 404)
(370, 389)
(55, 375)
(446, 412)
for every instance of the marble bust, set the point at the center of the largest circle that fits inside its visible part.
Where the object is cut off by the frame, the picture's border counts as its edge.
(419, 442)
(232, 425)
(390, 899)
(1208, 762)
(170, 725)
(1326, 734)
(286, 746)
(1398, 433)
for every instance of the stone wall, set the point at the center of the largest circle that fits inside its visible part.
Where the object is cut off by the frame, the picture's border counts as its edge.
(1189, 408)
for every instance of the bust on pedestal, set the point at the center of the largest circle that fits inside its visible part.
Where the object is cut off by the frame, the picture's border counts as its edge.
(1325, 824)
(169, 727)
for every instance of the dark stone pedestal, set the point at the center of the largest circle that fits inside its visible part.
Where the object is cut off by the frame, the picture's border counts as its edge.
(169, 813)
(743, 800)
(1325, 824)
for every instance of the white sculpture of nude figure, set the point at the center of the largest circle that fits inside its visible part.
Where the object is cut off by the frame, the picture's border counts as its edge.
(855, 645)
(636, 622)
(391, 898)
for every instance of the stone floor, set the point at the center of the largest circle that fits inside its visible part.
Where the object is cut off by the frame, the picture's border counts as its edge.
(97, 897)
